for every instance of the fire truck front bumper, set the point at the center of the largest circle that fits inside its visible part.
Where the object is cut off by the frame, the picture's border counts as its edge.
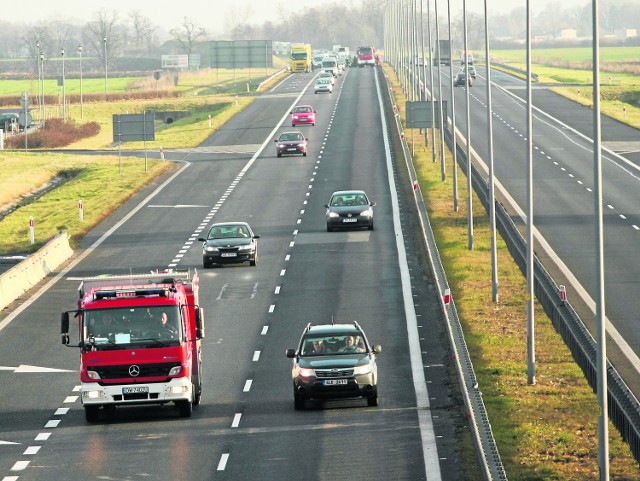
(177, 389)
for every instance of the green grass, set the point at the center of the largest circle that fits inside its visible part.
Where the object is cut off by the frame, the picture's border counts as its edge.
(544, 432)
(575, 55)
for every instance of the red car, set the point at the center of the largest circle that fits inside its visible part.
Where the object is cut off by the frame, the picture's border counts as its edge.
(303, 114)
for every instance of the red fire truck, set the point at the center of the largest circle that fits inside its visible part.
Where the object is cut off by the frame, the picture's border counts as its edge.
(140, 340)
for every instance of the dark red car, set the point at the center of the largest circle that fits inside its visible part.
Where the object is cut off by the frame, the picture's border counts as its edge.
(290, 143)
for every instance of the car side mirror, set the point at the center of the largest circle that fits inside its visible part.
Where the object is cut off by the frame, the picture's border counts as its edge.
(201, 239)
(275, 140)
(64, 328)
(256, 237)
(291, 353)
(306, 139)
(372, 204)
(326, 206)
(377, 349)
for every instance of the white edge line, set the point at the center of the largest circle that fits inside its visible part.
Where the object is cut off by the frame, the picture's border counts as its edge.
(427, 433)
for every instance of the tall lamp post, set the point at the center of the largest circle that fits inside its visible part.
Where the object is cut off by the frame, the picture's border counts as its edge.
(42, 102)
(64, 92)
(39, 78)
(81, 106)
(105, 66)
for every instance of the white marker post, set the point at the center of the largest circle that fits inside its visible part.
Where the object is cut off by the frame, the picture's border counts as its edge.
(81, 209)
(209, 120)
(161, 153)
(32, 231)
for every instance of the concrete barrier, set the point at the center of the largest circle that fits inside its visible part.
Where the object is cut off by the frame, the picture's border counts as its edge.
(23, 276)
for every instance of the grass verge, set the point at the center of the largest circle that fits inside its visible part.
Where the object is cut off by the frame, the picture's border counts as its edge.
(547, 431)
(94, 179)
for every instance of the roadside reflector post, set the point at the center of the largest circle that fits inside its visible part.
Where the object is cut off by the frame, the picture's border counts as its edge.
(624, 111)
(81, 210)
(415, 185)
(563, 295)
(209, 120)
(447, 296)
(32, 233)
(161, 153)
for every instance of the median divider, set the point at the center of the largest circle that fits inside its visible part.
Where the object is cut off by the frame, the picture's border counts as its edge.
(23, 276)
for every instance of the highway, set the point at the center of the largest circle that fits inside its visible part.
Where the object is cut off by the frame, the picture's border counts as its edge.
(246, 427)
(564, 200)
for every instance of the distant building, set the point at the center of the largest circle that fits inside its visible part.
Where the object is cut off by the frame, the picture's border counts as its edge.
(568, 33)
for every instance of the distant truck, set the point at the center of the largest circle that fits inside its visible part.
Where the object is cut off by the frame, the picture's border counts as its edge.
(140, 339)
(466, 57)
(366, 56)
(300, 54)
(444, 51)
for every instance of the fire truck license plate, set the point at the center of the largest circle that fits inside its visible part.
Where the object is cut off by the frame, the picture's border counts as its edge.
(135, 390)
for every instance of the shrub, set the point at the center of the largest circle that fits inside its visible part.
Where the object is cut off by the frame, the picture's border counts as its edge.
(56, 133)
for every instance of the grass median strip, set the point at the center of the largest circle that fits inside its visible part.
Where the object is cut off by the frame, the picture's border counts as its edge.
(547, 431)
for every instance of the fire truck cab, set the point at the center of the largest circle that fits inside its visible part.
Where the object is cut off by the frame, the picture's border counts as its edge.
(140, 339)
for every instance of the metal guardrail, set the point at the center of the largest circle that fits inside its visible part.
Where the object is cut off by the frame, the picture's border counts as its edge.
(534, 76)
(478, 419)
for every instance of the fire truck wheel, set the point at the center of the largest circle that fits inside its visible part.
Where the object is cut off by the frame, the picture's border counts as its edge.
(91, 413)
(186, 408)
(198, 392)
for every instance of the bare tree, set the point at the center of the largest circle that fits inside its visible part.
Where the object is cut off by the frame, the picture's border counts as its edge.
(142, 31)
(188, 35)
(104, 36)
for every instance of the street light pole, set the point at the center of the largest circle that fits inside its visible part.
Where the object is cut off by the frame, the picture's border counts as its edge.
(42, 115)
(105, 67)
(81, 106)
(39, 78)
(64, 92)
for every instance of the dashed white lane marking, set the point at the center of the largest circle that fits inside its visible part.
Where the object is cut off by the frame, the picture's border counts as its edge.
(223, 462)
(20, 465)
(236, 420)
(247, 385)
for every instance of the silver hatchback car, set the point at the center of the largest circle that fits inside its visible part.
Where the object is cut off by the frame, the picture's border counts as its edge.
(323, 85)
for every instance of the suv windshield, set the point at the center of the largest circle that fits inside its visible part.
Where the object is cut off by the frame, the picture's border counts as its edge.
(351, 343)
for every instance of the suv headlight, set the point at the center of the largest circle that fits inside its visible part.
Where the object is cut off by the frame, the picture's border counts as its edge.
(364, 369)
(211, 249)
(248, 247)
(306, 372)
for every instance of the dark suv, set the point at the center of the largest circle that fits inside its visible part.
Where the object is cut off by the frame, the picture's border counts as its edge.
(334, 361)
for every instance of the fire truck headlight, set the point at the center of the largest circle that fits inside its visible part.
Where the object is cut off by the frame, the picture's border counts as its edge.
(96, 394)
(93, 375)
(175, 371)
(179, 389)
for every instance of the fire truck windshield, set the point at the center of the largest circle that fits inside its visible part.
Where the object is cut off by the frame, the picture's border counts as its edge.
(132, 325)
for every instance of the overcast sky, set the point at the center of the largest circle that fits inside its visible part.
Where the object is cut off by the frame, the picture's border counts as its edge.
(212, 14)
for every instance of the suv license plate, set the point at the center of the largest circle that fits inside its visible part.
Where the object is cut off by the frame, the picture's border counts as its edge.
(352, 219)
(228, 254)
(334, 382)
(135, 390)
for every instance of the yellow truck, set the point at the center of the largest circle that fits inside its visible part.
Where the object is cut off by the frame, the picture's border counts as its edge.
(300, 57)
